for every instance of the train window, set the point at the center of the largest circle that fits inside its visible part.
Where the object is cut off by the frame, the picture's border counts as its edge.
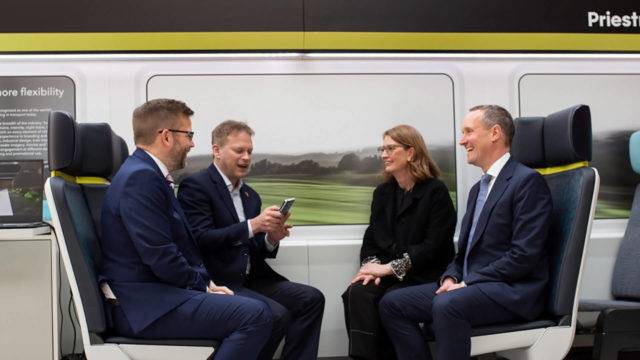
(316, 134)
(613, 100)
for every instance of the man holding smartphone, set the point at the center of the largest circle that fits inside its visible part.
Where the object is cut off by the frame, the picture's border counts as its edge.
(235, 237)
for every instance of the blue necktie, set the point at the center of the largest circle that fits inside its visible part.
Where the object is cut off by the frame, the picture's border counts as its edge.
(482, 197)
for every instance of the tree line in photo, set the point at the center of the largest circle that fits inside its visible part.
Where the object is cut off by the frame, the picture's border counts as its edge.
(362, 168)
(359, 163)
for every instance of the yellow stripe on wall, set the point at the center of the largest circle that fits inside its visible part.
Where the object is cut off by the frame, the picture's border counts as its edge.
(193, 41)
(147, 41)
(471, 41)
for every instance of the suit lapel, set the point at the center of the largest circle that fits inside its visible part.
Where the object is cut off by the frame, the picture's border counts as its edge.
(177, 208)
(249, 202)
(222, 191)
(465, 227)
(500, 185)
(141, 154)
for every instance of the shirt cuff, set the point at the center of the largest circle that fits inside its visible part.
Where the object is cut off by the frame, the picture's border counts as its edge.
(268, 244)
(250, 229)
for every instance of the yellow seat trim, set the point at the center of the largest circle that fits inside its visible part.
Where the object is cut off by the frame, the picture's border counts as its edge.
(80, 179)
(562, 168)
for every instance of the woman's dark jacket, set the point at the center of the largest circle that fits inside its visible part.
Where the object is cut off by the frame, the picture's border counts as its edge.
(422, 226)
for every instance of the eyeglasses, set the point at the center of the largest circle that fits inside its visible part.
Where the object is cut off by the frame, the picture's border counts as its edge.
(389, 148)
(188, 133)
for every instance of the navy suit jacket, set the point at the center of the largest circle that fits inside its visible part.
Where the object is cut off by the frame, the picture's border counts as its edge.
(149, 256)
(224, 240)
(508, 259)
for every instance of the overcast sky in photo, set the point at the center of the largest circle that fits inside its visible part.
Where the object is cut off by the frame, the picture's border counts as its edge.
(296, 114)
(612, 99)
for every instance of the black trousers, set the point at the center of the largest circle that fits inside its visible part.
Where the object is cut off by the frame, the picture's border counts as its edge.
(367, 337)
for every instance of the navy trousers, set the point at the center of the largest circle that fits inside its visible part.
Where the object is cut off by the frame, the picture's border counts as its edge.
(297, 315)
(242, 324)
(450, 315)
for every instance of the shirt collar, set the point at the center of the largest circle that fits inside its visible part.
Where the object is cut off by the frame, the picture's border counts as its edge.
(227, 182)
(497, 166)
(163, 167)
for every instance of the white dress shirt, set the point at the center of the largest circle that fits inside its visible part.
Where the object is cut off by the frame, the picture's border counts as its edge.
(495, 169)
(161, 165)
(237, 204)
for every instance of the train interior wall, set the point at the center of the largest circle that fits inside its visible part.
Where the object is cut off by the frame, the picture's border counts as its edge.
(108, 87)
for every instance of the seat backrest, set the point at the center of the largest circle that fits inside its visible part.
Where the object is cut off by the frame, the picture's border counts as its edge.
(559, 147)
(626, 272)
(82, 157)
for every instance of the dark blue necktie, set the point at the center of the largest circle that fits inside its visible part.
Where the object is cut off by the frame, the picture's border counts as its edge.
(482, 197)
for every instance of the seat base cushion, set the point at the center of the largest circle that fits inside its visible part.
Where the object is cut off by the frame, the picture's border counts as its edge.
(603, 304)
(167, 342)
(511, 327)
(504, 328)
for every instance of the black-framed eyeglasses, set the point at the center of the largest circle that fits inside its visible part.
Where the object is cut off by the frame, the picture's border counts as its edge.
(186, 132)
(389, 148)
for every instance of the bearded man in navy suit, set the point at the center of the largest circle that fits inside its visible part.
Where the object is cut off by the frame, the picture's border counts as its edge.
(152, 274)
(235, 237)
(501, 269)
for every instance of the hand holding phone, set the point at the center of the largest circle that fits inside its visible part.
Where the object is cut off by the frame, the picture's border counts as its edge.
(286, 205)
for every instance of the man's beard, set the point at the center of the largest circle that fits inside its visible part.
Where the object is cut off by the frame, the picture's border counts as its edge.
(180, 160)
(183, 160)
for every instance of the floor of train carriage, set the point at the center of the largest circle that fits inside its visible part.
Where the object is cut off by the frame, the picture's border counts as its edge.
(579, 353)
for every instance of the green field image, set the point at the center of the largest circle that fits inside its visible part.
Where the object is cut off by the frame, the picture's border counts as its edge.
(607, 210)
(330, 187)
(321, 200)
(336, 187)
(325, 200)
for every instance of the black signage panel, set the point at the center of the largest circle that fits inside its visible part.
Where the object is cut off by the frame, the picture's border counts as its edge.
(38, 16)
(508, 16)
(25, 103)
(318, 25)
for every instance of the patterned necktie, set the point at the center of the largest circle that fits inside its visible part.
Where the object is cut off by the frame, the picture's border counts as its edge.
(170, 181)
(482, 197)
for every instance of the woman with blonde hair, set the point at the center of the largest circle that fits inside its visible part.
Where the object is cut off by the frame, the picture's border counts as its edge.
(409, 239)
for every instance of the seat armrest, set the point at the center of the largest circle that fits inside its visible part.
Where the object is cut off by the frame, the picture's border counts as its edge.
(619, 320)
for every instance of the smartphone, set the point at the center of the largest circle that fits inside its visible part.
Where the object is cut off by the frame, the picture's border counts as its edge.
(286, 205)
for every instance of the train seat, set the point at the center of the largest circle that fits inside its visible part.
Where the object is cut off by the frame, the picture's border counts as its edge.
(559, 147)
(618, 324)
(82, 159)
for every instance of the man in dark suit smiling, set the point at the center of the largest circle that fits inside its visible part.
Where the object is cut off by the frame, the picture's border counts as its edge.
(501, 269)
(235, 237)
(152, 272)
